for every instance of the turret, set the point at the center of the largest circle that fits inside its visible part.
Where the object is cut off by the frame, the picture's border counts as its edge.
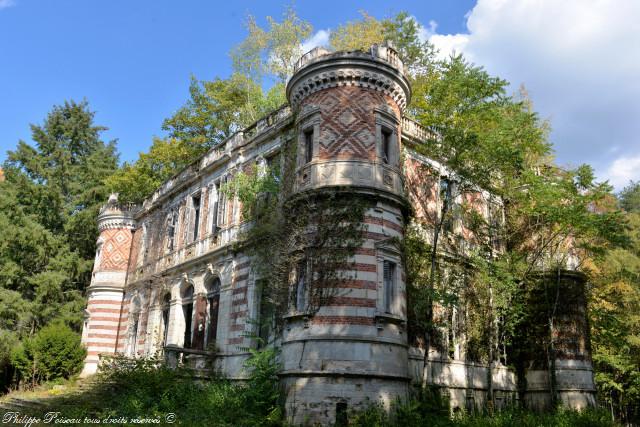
(102, 325)
(353, 350)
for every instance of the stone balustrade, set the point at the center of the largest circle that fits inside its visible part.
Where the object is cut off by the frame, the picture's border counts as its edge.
(354, 173)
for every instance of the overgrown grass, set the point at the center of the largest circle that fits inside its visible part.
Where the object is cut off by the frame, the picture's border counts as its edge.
(427, 408)
(145, 388)
(148, 388)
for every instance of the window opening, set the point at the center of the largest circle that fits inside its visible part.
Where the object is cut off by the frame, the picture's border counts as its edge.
(187, 311)
(196, 216)
(389, 276)
(221, 207)
(342, 416)
(171, 231)
(308, 145)
(266, 314)
(213, 302)
(301, 286)
(165, 318)
(386, 145)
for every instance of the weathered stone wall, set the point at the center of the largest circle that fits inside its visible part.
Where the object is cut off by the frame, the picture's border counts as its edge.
(354, 350)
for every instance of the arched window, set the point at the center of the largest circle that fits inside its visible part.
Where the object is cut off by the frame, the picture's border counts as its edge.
(135, 324)
(213, 303)
(187, 311)
(166, 301)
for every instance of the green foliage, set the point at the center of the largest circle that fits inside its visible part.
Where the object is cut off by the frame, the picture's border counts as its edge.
(615, 324)
(271, 52)
(129, 388)
(48, 205)
(54, 352)
(324, 229)
(630, 197)
(427, 408)
(358, 35)
(402, 30)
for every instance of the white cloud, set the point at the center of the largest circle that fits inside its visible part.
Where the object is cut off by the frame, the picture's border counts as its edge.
(623, 170)
(580, 61)
(6, 3)
(320, 38)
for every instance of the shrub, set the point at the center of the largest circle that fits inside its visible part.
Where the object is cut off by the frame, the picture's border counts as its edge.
(129, 388)
(54, 352)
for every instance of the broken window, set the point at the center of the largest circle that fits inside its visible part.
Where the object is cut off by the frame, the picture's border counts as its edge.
(195, 202)
(213, 304)
(187, 311)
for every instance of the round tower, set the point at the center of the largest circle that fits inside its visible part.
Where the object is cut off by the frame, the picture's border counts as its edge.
(352, 352)
(105, 310)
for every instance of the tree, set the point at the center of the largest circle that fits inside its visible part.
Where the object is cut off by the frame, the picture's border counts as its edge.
(48, 207)
(271, 52)
(630, 197)
(218, 108)
(614, 315)
(358, 35)
(484, 139)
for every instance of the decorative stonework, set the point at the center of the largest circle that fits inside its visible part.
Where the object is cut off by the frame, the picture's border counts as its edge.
(351, 69)
(116, 249)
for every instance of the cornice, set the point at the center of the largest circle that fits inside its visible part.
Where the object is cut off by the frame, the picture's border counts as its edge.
(346, 70)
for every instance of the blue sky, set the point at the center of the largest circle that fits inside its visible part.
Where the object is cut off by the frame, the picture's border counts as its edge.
(579, 60)
(132, 59)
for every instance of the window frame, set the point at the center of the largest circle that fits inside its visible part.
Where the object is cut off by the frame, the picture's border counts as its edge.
(308, 123)
(188, 300)
(301, 286)
(395, 308)
(213, 285)
(196, 208)
(387, 124)
(389, 285)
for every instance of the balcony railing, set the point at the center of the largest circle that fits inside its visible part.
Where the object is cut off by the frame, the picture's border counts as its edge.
(415, 130)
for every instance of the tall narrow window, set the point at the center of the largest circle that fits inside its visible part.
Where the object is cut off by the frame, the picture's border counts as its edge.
(386, 145)
(301, 286)
(171, 231)
(135, 323)
(187, 311)
(389, 282)
(221, 205)
(165, 318)
(196, 216)
(266, 313)
(134, 334)
(213, 302)
(342, 415)
(144, 249)
(308, 145)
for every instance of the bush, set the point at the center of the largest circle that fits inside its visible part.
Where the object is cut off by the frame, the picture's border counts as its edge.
(427, 408)
(129, 388)
(54, 352)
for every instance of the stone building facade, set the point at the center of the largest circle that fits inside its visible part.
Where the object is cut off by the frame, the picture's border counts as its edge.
(169, 279)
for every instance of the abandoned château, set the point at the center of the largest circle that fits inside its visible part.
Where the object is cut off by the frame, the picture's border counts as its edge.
(170, 278)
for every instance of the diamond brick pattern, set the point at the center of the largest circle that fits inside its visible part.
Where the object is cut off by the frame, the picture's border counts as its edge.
(115, 250)
(347, 129)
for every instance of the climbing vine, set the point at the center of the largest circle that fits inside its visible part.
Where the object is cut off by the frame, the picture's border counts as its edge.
(315, 234)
